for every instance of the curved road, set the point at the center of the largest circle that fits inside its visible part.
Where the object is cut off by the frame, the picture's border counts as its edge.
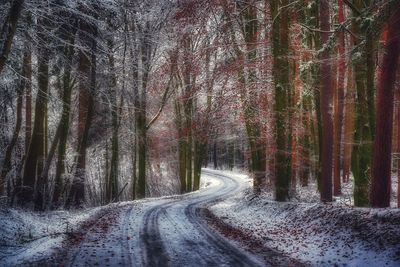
(166, 232)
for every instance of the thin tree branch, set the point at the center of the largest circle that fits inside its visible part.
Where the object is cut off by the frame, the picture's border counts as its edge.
(163, 102)
(352, 7)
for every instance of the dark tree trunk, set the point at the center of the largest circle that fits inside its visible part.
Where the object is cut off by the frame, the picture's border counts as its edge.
(66, 110)
(28, 98)
(35, 157)
(326, 107)
(46, 167)
(283, 135)
(182, 163)
(142, 152)
(6, 168)
(214, 156)
(8, 30)
(253, 126)
(382, 159)
(141, 124)
(87, 86)
(348, 125)
(361, 157)
(113, 178)
(199, 154)
(398, 139)
(135, 90)
(340, 106)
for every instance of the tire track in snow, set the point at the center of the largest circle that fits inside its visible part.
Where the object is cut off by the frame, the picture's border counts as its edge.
(211, 249)
(154, 250)
(193, 213)
(125, 237)
(165, 232)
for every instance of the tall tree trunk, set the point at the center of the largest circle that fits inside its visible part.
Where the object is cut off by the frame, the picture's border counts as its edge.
(257, 142)
(326, 107)
(340, 106)
(135, 89)
(382, 159)
(189, 162)
(46, 167)
(142, 151)
(188, 108)
(199, 154)
(306, 134)
(25, 85)
(66, 110)
(361, 162)
(145, 51)
(6, 168)
(181, 147)
(8, 30)
(201, 143)
(314, 42)
(134, 168)
(35, 157)
(296, 122)
(214, 155)
(113, 178)
(398, 139)
(305, 141)
(87, 85)
(28, 98)
(280, 39)
(348, 125)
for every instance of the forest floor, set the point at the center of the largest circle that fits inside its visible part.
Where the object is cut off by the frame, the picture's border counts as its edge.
(316, 234)
(34, 238)
(223, 224)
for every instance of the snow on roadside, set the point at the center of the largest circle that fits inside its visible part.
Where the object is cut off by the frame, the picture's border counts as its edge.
(320, 235)
(27, 236)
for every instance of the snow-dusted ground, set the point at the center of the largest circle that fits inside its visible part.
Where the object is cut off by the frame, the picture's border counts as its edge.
(317, 234)
(27, 236)
(173, 231)
(167, 231)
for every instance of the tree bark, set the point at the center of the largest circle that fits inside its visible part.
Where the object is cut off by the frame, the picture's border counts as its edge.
(199, 154)
(340, 106)
(361, 161)
(87, 86)
(398, 139)
(181, 152)
(382, 159)
(6, 168)
(8, 30)
(65, 116)
(113, 178)
(141, 124)
(35, 157)
(348, 125)
(280, 39)
(28, 98)
(326, 107)
(135, 90)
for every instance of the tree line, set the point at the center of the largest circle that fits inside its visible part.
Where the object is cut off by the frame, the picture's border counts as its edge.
(123, 99)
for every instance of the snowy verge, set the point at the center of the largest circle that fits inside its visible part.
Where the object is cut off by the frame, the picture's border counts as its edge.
(28, 237)
(316, 234)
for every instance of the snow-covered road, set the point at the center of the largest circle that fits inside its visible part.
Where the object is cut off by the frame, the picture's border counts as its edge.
(166, 232)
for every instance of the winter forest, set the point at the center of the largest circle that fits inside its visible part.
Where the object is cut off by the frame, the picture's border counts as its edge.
(200, 132)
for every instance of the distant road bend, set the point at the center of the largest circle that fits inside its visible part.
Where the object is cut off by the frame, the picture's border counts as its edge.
(166, 232)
